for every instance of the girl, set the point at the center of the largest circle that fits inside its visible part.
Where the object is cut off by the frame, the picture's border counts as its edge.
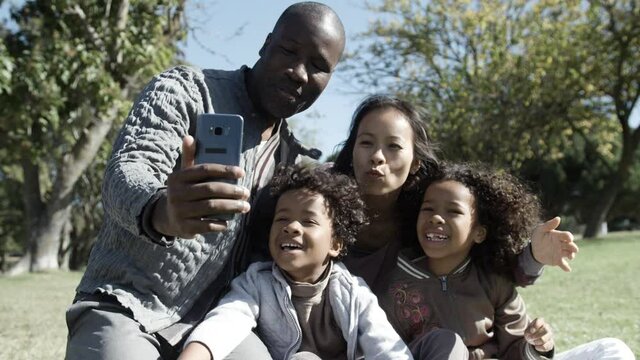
(471, 227)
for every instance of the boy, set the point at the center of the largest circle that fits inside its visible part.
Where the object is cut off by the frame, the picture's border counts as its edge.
(303, 304)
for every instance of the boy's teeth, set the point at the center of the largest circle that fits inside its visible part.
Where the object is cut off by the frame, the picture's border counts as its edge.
(290, 246)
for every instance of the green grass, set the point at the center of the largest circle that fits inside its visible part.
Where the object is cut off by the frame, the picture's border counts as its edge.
(600, 298)
(32, 309)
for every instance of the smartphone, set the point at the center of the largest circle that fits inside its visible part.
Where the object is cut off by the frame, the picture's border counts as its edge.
(219, 141)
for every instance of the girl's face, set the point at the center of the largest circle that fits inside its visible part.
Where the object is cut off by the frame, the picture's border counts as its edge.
(383, 152)
(447, 225)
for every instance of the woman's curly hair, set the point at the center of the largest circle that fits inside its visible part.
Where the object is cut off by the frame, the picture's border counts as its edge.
(505, 207)
(340, 193)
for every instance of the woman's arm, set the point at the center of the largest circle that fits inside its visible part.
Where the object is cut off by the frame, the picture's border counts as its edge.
(548, 247)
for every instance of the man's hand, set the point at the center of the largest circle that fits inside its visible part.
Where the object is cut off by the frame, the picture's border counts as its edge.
(192, 196)
(553, 247)
(538, 333)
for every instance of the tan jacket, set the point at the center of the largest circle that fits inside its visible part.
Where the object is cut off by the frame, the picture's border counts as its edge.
(482, 307)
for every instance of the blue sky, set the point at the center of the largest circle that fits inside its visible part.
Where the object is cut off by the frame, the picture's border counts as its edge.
(326, 123)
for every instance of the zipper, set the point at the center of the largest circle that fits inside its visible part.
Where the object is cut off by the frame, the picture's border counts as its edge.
(444, 286)
(443, 283)
(294, 321)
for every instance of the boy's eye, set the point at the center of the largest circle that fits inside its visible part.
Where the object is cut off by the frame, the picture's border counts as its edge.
(427, 208)
(280, 218)
(395, 146)
(310, 222)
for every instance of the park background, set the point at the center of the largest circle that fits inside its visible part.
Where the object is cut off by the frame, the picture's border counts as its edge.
(547, 90)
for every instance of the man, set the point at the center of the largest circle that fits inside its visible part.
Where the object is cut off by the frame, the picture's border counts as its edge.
(157, 265)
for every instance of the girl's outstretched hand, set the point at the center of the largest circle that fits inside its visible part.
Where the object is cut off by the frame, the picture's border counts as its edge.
(538, 333)
(552, 247)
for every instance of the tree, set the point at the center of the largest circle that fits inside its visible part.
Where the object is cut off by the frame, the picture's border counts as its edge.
(74, 68)
(516, 82)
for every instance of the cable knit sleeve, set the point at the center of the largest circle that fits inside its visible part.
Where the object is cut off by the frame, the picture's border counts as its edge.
(149, 143)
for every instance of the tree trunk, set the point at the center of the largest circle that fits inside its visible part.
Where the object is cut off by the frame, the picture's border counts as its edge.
(64, 252)
(617, 180)
(48, 235)
(33, 209)
(601, 210)
(44, 237)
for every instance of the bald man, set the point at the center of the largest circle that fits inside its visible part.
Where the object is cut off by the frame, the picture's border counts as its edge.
(158, 265)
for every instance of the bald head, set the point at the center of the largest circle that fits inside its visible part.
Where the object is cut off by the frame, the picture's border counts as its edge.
(312, 12)
(296, 60)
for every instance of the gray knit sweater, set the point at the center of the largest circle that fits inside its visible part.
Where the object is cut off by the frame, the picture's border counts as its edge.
(160, 281)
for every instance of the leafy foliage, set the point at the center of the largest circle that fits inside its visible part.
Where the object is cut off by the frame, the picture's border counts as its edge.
(67, 70)
(542, 87)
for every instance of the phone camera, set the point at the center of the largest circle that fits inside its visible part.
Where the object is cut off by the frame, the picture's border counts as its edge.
(217, 130)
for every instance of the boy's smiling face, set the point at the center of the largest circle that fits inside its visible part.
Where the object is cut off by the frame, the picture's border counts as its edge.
(301, 238)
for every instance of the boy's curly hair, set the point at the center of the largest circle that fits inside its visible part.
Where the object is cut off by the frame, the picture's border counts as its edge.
(504, 206)
(341, 196)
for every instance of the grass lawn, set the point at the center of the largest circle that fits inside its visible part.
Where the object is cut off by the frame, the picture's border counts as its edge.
(32, 311)
(600, 298)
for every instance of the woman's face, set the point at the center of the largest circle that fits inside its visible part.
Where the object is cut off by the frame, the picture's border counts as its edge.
(383, 152)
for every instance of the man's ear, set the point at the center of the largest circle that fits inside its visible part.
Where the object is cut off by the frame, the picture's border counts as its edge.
(264, 46)
(480, 234)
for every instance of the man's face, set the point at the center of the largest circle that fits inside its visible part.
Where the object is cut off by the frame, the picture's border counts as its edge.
(295, 65)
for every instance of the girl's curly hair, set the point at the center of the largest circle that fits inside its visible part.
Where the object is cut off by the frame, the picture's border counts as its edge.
(505, 207)
(340, 193)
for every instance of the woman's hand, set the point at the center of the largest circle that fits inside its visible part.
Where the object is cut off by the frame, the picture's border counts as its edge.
(552, 247)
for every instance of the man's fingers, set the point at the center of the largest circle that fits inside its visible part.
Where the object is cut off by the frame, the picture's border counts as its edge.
(188, 152)
(211, 190)
(211, 207)
(206, 172)
(199, 226)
